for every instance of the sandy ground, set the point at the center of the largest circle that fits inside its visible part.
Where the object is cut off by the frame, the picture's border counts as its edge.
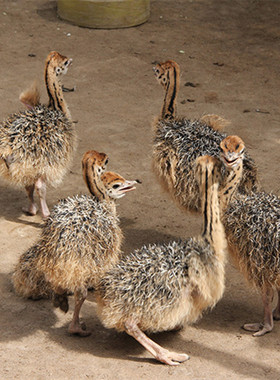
(230, 50)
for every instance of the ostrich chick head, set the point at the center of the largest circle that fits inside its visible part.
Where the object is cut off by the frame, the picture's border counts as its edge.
(232, 151)
(116, 186)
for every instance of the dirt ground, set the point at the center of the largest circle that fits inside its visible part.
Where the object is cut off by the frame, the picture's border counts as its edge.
(229, 49)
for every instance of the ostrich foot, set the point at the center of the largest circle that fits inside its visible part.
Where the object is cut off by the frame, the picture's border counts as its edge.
(266, 328)
(171, 358)
(160, 353)
(78, 328)
(61, 301)
(258, 328)
(252, 327)
(31, 210)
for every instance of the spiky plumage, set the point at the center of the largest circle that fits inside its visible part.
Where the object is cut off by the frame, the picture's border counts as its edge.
(37, 145)
(40, 143)
(163, 286)
(252, 225)
(79, 241)
(179, 141)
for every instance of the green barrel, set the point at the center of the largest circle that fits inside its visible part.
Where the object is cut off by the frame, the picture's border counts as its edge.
(107, 14)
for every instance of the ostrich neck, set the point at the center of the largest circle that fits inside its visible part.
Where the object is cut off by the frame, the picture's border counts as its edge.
(229, 185)
(169, 104)
(213, 230)
(54, 90)
(94, 183)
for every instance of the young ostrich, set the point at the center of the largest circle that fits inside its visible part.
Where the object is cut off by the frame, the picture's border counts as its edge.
(80, 241)
(164, 286)
(252, 226)
(179, 141)
(37, 145)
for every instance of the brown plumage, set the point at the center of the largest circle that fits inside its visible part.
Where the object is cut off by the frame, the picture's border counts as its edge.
(30, 97)
(252, 226)
(179, 141)
(37, 145)
(163, 286)
(80, 241)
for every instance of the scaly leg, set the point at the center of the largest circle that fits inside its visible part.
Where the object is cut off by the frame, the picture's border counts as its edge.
(41, 189)
(75, 326)
(267, 325)
(276, 311)
(160, 353)
(32, 208)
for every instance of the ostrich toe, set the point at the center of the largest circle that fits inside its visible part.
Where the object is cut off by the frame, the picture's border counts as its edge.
(171, 358)
(78, 328)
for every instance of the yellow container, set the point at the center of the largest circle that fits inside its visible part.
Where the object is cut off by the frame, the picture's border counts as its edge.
(107, 14)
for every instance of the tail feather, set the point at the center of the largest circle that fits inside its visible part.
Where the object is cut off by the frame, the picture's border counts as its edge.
(216, 122)
(30, 97)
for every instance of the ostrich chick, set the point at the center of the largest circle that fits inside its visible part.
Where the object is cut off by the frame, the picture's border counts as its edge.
(29, 280)
(80, 241)
(163, 286)
(179, 141)
(37, 145)
(252, 227)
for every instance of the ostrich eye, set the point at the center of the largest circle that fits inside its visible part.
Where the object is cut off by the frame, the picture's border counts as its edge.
(116, 186)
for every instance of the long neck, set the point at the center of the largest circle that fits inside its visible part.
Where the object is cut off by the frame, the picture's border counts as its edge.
(213, 229)
(54, 90)
(93, 181)
(229, 185)
(168, 110)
